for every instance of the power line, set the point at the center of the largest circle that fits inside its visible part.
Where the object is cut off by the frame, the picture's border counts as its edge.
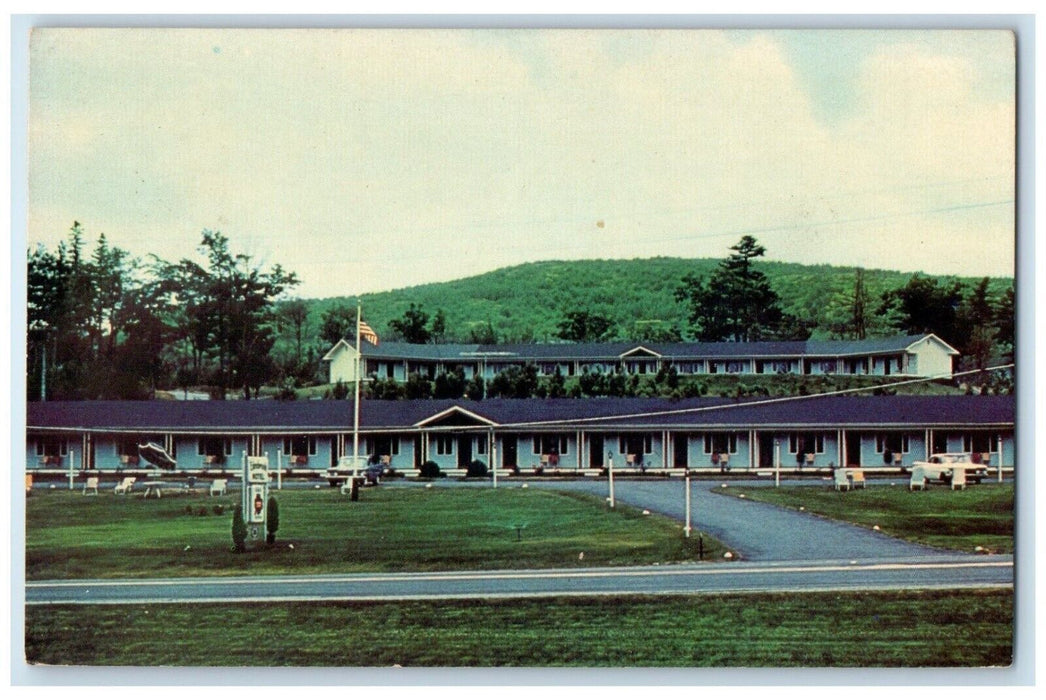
(746, 404)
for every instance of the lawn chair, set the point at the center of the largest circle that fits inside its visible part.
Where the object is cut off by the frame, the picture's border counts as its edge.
(28, 484)
(124, 486)
(91, 485)
(918, 480)
(218, 487)
(842, 482)
(857, 477)
(958, 478)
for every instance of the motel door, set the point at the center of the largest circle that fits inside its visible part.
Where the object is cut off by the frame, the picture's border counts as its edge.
(766, 450)
(595, 452)
(464, 450)
(681, 450)
(508, 451)
(853, 449)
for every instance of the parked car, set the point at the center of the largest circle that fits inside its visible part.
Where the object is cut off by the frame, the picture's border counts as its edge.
(941, 466)
(349, 465)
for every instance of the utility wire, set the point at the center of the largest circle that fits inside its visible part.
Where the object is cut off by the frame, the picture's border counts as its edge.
(746, 404)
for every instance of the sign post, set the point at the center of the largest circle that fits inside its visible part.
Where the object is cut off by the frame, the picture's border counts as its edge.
(255, 496)
(686, 529)
(1000, 458)
(777, 463)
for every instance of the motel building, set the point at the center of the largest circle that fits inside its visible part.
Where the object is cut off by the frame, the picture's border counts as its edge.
(902, 356)
(564, 436)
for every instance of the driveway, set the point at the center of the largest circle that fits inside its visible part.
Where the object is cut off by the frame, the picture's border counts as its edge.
(756, 531)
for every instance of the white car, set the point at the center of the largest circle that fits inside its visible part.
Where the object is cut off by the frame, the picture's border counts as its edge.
(941, 466)
(349, 465)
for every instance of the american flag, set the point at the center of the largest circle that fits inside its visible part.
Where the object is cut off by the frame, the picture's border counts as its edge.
(367, 333)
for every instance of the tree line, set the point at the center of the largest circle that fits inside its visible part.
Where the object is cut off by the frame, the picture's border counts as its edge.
(102, 324)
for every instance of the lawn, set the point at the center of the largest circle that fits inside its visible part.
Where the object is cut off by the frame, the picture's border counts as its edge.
(979, 516)
(321, 531)
(890, 629)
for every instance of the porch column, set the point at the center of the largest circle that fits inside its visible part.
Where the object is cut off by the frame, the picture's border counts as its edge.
(840, 435)
(580, 445)
(664, 449)
(751, 449)
(929, 444)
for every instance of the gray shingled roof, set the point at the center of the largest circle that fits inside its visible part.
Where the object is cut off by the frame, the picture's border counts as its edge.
(336, 416)
(612, 351)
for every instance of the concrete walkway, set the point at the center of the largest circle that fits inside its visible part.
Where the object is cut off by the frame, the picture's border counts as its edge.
(756, 531)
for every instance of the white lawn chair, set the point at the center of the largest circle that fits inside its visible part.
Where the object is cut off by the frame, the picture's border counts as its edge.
(124, 486)
(91, 485)
(218, 487)
(857, 478)
(842, 482)
(918, 480)
(958, 478)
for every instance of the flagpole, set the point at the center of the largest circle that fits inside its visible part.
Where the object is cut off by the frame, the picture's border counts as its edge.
(356, 404)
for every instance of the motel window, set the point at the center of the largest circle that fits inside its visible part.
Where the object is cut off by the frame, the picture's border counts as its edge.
(481, 445)
(126, 446)
(891, 442)
(444, 445)
(213, 447)
(720, 443)
(805, 443)
(547, 444)
(382, 446)
(51, 447)
(979, 442)
(299, 446)
(736, 367)
(635, 444)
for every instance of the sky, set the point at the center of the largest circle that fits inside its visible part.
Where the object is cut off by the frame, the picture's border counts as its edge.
(367, 160)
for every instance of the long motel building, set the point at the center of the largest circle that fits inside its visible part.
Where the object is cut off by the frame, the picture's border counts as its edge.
(905, 356)
(554, 435)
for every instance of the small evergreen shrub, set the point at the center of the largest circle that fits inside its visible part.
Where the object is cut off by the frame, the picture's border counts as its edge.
(476, 468)
(272, 520)
(239, 530)
(429, 470)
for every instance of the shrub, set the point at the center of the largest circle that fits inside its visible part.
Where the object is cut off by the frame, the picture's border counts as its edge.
(272, 520)
(202, 510)
(429, 470)
(239, 530)
(476, 468)
(219, 509)
(188, 510)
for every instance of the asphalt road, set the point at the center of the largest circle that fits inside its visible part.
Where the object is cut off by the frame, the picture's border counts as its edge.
(934, 572)
(756, 531)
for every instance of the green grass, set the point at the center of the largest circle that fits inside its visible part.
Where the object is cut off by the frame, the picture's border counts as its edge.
(979, 516)
(892, 629)
(388, 529)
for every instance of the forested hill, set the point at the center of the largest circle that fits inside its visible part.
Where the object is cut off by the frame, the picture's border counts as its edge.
(526, 302)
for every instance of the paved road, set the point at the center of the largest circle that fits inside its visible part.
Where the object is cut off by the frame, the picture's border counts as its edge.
(937, 572)
(756, 531)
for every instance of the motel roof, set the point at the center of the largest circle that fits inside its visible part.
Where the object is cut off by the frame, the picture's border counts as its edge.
(513, 352)
(279, 417)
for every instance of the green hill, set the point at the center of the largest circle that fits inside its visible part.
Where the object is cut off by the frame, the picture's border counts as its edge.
(526, 302)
